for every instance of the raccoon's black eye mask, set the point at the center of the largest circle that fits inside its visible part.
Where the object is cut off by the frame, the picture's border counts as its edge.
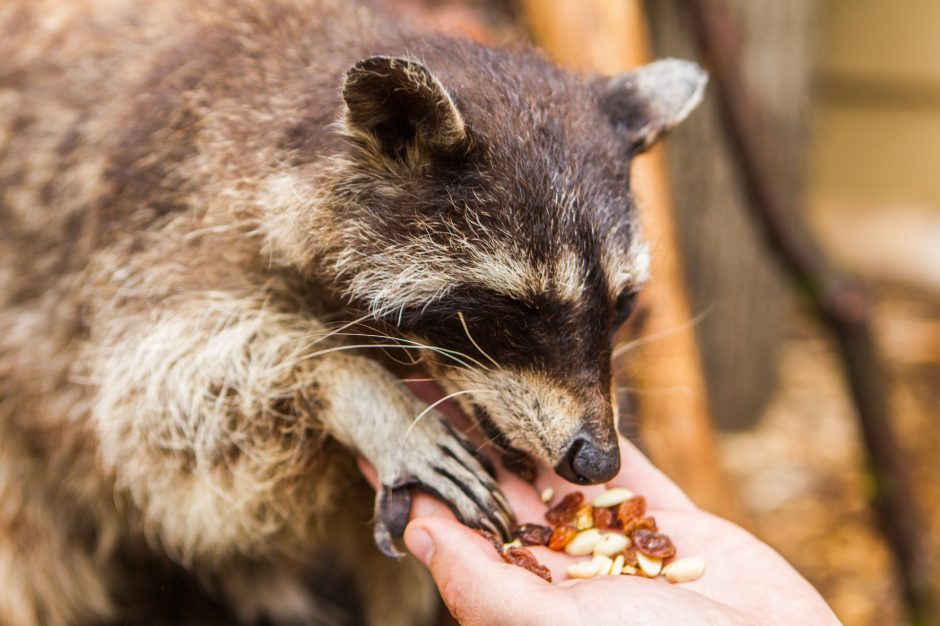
(624, 307)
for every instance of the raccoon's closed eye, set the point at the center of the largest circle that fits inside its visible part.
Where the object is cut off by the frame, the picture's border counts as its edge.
(624, 307)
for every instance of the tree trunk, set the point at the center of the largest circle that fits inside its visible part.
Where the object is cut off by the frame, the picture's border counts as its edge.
(743, 299)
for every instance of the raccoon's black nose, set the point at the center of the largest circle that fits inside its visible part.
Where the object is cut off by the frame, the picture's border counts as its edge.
(589, 463)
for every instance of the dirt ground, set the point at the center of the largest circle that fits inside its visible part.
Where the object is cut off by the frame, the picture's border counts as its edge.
(800, 474)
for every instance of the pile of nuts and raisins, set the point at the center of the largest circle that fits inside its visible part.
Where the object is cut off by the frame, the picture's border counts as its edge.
(613, 528)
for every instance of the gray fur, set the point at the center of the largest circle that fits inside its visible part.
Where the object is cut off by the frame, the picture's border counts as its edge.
(205, 249)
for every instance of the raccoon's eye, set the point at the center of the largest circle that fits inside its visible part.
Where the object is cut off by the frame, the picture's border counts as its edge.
(624, 307)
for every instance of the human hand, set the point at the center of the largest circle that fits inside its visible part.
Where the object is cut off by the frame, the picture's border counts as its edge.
(745, 581)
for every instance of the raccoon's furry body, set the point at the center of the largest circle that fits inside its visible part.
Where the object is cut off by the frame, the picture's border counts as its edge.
(195, 198)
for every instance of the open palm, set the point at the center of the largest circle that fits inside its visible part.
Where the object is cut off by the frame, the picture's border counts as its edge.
(745, 581)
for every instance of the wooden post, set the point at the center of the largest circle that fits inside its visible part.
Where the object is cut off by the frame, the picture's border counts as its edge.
(609, 36)
(839, 301)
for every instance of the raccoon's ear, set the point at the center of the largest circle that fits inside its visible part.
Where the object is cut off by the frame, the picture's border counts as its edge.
(404, 108)
(652, 99)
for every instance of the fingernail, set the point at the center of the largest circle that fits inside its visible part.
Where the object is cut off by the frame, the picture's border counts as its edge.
(420, 544)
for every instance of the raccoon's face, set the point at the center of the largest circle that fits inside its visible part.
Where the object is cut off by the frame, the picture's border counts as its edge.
(489, 216)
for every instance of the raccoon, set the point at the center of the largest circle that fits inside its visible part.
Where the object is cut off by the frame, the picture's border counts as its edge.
(226, 225)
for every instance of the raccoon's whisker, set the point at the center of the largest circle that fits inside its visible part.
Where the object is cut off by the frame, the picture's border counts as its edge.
(627, 346)
(343, 327)
(378, 331)
(412, 360)
(437, 349)
(487, 442)
(451, 354)
(431, 406)
(433, 380)
(329, 319)
(654, 390)
(355, 347)
(361, 346)
(463, 323)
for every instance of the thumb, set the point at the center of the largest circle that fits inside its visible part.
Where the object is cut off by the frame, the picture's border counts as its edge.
(477, 586)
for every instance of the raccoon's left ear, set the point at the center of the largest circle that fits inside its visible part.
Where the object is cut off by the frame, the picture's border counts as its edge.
(403, 108)
(652, 99)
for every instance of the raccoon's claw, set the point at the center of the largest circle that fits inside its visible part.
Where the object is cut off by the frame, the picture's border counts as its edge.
(442, 463)
(384, 541)
(392, 510)
(469, 446)
(472, 495)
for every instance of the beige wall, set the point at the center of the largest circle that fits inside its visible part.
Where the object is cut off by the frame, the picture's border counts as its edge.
(877, 133)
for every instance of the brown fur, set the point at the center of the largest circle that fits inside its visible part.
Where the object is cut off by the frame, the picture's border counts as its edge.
(110, 205)
(189, 213)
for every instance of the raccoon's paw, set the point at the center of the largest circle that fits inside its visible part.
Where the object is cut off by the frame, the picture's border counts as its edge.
(443, 463)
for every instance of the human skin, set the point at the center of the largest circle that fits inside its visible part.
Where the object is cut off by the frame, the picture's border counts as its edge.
(745, 581)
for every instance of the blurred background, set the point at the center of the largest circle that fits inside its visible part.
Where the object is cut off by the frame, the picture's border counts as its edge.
(736, 387)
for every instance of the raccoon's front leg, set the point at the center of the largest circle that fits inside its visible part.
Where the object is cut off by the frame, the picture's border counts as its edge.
(410, 446)
(214, 411)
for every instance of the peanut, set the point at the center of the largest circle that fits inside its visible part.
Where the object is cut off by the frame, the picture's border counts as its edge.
(611, 544)
(605, 563)
(650, 565)
(584, 569)
(584, 542)
(684, 570)
(611, 497)
(617, 566)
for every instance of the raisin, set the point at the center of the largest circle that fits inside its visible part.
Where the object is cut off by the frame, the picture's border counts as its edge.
(523, 558)
(640, 523)
(604, 519)
(629, 557)
(565, 510)
(630, 509)
(561, 537)
(533, 534)
(652, 543)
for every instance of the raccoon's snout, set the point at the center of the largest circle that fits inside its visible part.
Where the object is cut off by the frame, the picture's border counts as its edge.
(589, 462)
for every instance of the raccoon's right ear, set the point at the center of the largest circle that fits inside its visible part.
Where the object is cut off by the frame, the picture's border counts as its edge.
(402, 109)
(647, 102)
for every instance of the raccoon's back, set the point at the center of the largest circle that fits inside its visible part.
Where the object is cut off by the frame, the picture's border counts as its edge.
(102, 101)
(119, 116)
(62, 86)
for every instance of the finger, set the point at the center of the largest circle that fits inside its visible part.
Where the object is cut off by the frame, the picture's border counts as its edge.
(368, 472)
(425, 505)
(473, 579)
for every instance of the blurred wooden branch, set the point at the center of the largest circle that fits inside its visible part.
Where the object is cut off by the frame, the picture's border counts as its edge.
(609, 36)
(730, 273)
(840, 302)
